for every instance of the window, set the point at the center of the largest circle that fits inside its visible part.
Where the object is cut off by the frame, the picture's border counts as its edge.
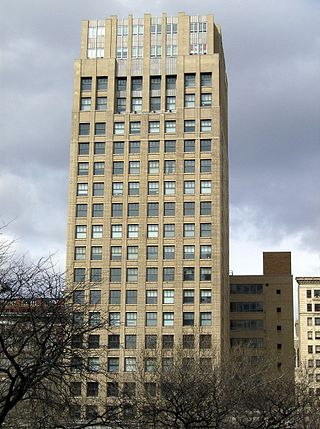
(130, 342)
(134, 167)
(189, 146)
(189, 100)
(151, 296)
(121, 104)
(167, 341)
(116, 231)
(188, 229)
(309, 307)
(96, 275)
(170, 126)
(115, 275)
(205, 145)
(169, 188)
(205, 252)
(153, 209)
(188, 274)
(94, 341)
(188, 318)
(92, 388)
(205, 187)
(168, 319)
(117, 188)
(188, 296)
(150, 341)
(86, 83)
(83, 149)
(133, 209)
(189, 127)
(205, 274)
(188, 252)
(133, 188)
(155, 104)
(96, 253)
(168, 274)
(205, 296)
(170, 102)
(133, 231)
(75, 388)
(205, 166)
(134, 147)
(168, 252)
(153, 146)
(205, 78)
(135, 127)
(132, 275)
(152, 274)
(94, 319)
(102, 83)
(156, 51)
(79, 275)
(118, 148)
(136, 104)
(206, 100)
(189, 80)
(168, 230)
(153, 167)
(121, 84)
(155, 81)
(205, 125)
(189, 164)
(170, 146)
(81, 210)
(189, 187)
(81, 231)
(78, 297)
(205, 341)
(95, 297)
(116, 209)
(169, 209)
(130, 364)
(154, 127)
(82, 189)
(168, 296)
(151, 319)
(131, 318)
(98, 189)
(85, 103)
(115, 253)
(171, 82)
(136, 82)
(117, 167)
(84, 129)
(205, 318)
(153, 188)
(188, 341)
(152, 252)
(132, 253)
(83, 168)
(101, 103)
(152, 230)
(97, 210)
(112, 389)
(169, 166)
(118, 128)
(131, 297)
(205, 208)
(205, 230)
(113, 364)
(100, 128)
(188, 208)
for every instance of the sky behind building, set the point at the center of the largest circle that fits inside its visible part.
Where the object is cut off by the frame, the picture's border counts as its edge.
(272, 53)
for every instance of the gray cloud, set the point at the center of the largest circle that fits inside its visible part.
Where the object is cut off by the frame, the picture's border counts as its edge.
(272, 52)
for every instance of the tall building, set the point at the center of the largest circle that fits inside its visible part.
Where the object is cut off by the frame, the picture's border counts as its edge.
(261, 312)
(308, 328)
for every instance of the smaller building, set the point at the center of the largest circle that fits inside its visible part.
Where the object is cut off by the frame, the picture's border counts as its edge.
(261, 311)
(308, 328)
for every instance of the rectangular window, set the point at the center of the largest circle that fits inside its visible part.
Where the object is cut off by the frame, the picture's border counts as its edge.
(205, 274)
(116, 253)
(131, 297)
(188, 252)
(78, 297)
(169, 230)
(189, 187)
(121, 84)
(117, 189)
(102, 83)
(170, 126)
(168, 252)
(188, 296)
(86, 83)
(205, 208)
(153, 167)
(133, 188)
(170, 146)
(152, 274)
(205, 145)
(135, 127)
(206, 100)
(205, 187)
(169, 166)
(130, 342)
(206, 78)
(121, 104)
(151, 318)
(169, 209)
(96, 275)
(132, 275)
(153, 146)
(152, 252)
(113, 364)
(115, 275)
(188, 318)
(189, 126)
(98, 189)
(118, 148)
(79, 275)
(205, 166)
(100, 128)
(92, 388)
(136, 104)
(188, 208)
(205, 319)
(81, 231)
(188, 341)
(136, 84)
(133, 209)
(133, 231)
(188, 274)
(134, 167)
(118, 128)
(83, 149)
(97, 210)
(168, 296)
(153, 188)
(155, 104)
(151, 297)
(205, 125)
(171, 82)
(131, 318)
(96, 253)
(83, 168)
(82, 189)
(170, 103)
(150, 341)
(153, 209)
(101, 103)
(81, 210)
(130, 364)
(154, 127)
(205, 296)
(189, 146)
(168, 274)
(132, 253)
(205, 252)
(168, 342)
(98, 168)
(85, 103)
(169, 188)
(115, 299)
(116, 210)
(189, 80)
(84, 129)
(188, 229)
(134, 147)
(118, 167)
(189, 164)
(116, 231)
(155, 82)
(189, 100)
(168, 319)
(152, 230)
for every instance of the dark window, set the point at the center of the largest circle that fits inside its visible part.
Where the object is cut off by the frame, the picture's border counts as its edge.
(205, 166)
(150, 341)
(136, 84)
(189, 165)
(95, 297)
(155, 83)
(205, 145)
(113, 341)
(118, 167)
(112, 389)
(205, 341)
(152, 274)
(189, 208)
(84, 129)
(189, 145)
(99, 148)
(86, 83)
(153, 209)
(188, 274)
(189, 127)
(189, 80)
(92, 388)
(93, 341)
(96, 275)
(115, 297)
(205, 208)
(100, 128)
(102, 83)
(153, 146)
(206, 79)
(121, 104)
(188, 296)
(152, 252)
(81, 210)
(79, 275)
(121, 83)
(205, 274)
(83, 149)
(205, 230)
(75, 388)
(155, 104)
(97, 210)
(78, 297)
(130, 342)
(170, 146)
(169, 209)
(188, 319)
(171, 82)
(167, 341)
(188, 341)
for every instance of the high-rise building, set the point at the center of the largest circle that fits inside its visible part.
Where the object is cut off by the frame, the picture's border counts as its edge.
(308, 329)
(261, 312)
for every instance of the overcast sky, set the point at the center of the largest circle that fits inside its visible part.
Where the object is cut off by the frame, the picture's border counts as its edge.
(272, 53)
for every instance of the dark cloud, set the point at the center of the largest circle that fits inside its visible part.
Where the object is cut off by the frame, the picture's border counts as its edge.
(272, 52)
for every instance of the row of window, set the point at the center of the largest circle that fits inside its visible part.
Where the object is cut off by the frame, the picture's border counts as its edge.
(316, 293)
(189, 231)
(249, 324)
(314, 307)
(154, 146)
(169, 188)
(246, 288)
(313, 349)
(154, 103)
(189, 209)
(131, 297)
(153, 127)
(169, 252)
(313, 321)
(155, 82)
(168, 275)
(315, 335)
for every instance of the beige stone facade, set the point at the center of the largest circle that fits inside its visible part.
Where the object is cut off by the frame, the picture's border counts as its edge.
(148, 196)
(261, 311)
(308, 328)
